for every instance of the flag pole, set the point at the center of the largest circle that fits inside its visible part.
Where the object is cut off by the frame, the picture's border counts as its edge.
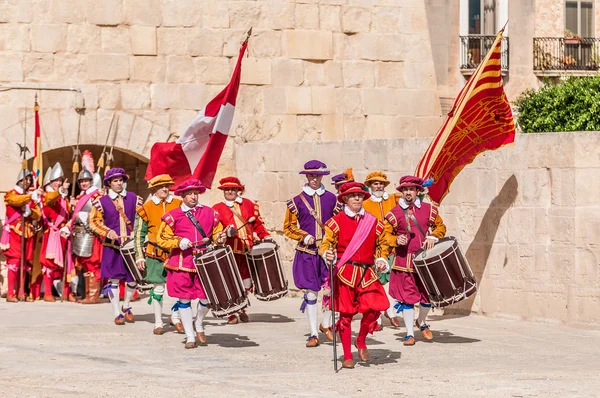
(24, 151)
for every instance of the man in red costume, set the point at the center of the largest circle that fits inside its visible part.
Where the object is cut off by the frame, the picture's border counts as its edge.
(55, 214)
(354, 240)
(241, 215)
(19, 203)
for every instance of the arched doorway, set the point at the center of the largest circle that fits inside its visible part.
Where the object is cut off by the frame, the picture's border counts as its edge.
(135, 165)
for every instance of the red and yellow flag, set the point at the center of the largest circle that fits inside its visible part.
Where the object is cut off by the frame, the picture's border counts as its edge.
(38, 166)
(480, 120)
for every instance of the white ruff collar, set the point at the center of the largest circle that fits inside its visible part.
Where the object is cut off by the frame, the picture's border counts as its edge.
(19, 190)
(310, 192)
(378, 200)
(156, 200)
(113, 195)
(403, 204)
(237, 200)
(185, 208)
(352, 214)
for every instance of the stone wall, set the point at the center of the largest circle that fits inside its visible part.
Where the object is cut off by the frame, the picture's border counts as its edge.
(526, 215)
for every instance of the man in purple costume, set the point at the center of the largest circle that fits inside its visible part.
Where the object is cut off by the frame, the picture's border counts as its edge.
(305, 217)
(112, 220)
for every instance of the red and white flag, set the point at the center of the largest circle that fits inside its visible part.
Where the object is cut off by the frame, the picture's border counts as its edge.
(197, 151)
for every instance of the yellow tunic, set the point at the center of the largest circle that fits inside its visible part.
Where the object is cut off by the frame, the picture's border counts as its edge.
(380, 209)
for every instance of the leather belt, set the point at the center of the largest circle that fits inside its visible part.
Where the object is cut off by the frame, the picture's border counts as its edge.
(362, 265)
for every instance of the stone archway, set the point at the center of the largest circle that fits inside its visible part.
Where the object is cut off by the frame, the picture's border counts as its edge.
(134, 165)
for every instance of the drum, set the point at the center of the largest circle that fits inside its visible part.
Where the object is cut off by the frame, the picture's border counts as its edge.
(445, 273)
(221, 280)
(82, 241)
(266, 271)
(127, 250)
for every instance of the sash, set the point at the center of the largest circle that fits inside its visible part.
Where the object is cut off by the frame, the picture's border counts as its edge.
(55, 249)
(312, 212)
(5, 240)
(362, 231)
(80, 203)
(70, 263)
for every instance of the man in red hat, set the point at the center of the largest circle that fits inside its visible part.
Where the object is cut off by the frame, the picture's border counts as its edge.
(182, 231)
(242, 216)
(355, 242)
(410, 226)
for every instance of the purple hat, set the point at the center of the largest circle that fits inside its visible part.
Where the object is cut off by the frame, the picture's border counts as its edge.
(114, 173)
(315, 167)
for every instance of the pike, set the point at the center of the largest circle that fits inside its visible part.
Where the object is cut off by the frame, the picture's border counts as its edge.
(332, 301)
(23, 148)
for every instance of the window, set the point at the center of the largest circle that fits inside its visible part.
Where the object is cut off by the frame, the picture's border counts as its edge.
(482, 17)
(579, 17)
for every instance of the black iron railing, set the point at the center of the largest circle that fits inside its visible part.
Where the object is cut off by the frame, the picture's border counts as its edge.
(474, 48)
(560, 54)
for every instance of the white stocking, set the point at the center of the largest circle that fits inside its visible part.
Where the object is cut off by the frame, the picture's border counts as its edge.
(58, 285)
(74, 282)
(114, 297)
(187, 318)
(201, 314)
(326, 319)
(423, 311)
(409, 321)
(129, 291)
(313, 313)
(157, 305)
(175, 317)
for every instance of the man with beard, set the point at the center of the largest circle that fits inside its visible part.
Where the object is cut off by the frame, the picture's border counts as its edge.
(379, 204)
(113, 216)
(304, 222)
(354, 239)
(150, 259)
(19, 203)
(410, 226)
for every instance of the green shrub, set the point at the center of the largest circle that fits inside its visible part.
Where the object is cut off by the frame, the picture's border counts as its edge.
(573, 105)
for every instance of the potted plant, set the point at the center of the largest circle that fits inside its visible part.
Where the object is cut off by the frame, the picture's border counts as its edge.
(571, 38)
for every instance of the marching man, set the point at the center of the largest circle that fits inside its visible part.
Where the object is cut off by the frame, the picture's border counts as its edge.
(19, 203)
(82, 255)
(55, 214)
(354, 240)
(410, 226)
(151, 259)
(304, 222)
(340, 179)
(112, 219)
(379, 204)
(242, 217)
(182, 231)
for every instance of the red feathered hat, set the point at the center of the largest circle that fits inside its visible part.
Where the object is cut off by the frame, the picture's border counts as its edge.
(411, 181)
(353, 187)
(231, 183)
(189, 185)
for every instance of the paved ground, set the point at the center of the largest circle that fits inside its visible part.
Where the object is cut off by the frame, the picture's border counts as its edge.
(63, 349)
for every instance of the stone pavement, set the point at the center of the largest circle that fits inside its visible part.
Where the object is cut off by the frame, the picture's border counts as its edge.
(65, 349)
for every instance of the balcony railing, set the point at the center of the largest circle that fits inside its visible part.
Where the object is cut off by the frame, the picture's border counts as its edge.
(473, 49)
(560, 54)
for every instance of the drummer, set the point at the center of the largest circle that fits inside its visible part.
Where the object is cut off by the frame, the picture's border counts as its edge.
(242, 216)
(354, 239)
(150, 258)
(183, 231)
(425, 227)
(112, 220)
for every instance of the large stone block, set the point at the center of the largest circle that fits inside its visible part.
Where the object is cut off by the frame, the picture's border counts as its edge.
(381, 126)
(282, 128)
(256, 71)
(389, 74)
(243, 15)
(68, 11)
(265, 44)
(333, 127)
(109, 96)
(354, 127)
(356, 19)
(386, 20)
(314, 73)
(115, 40)
(277, 15)
(49, 38)
(83, 38)
(205, 42)
(275, 100)
(143, 40)
(216, 15)
(385, 101)
(521, 225)
(378, 47)
(346, 46)
(192, 96)
(333, 73)
(348, 101)
(358, 73)
(135, 96)
(587, 150)
(330, 18)
(308, 44)
(323, 100)
(428, 126)
(550, 150)
(104, 12)
(148, 69)
(179, 120)
(180, 69)
(15, 37)
(541, 195)
(180, 12)
(287, 72)
(307, 16)
(108, 66)
(310, 127)
(299, 100)
(38, 67)
(142, 12)
(11, 67)
(172, 41)
(250, 100)
(587, 185)
(213, 70)
(419, 75)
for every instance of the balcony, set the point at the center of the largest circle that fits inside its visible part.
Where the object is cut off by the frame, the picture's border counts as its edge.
(474, 48)
(553, 56)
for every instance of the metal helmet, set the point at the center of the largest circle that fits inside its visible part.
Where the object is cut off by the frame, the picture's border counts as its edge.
(57, 172)
(22, 174)
(97, 181)
(47, 176)
(85, 174)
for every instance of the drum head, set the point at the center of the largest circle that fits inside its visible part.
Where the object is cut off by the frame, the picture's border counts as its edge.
(263, 248)
(216, 252)
(437, 250)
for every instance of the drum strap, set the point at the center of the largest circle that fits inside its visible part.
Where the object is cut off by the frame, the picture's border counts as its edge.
(414, 219)
(191, 217)
(312, 212)
(123, 216)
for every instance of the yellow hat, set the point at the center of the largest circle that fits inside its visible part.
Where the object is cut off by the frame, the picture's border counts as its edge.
(377, 176)
(161, 179)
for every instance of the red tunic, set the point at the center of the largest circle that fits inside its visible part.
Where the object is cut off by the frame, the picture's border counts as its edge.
(53, 205)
